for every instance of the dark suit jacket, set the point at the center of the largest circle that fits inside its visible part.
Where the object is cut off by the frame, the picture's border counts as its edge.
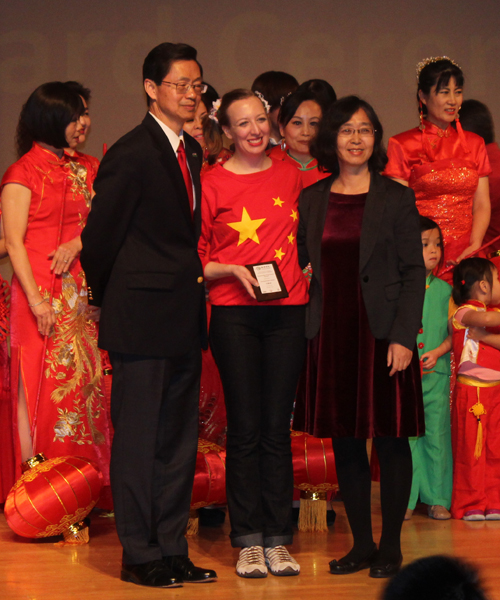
(391, 266)
(140, 246)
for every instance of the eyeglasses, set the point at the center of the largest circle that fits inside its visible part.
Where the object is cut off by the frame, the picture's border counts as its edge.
(183, 88)
(363, 132)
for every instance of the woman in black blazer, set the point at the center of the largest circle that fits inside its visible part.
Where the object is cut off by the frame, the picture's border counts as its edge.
(360, 233)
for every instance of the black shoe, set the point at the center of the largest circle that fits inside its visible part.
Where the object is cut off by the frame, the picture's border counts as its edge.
(331, 515)
(152, 574)
(184, 569)
(385, 568)
(345, 567)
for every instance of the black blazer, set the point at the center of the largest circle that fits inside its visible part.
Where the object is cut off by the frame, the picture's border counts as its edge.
(140, 246)
(391, 265)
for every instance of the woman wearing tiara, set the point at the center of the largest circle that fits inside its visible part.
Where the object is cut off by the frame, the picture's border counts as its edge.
(207, 132)
(445, 166)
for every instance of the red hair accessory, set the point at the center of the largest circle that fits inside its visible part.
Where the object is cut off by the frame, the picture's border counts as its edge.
(463, 282)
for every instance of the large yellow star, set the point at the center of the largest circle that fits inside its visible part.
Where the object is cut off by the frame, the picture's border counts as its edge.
(290, 238)
(294, 215)
(278, 202)
(279, 254)
(247, 227)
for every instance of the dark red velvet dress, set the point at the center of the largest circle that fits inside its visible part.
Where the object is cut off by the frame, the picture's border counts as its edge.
(345, 390)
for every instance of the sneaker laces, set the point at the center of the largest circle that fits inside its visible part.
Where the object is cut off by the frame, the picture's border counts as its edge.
(278, 554)
(252, 554)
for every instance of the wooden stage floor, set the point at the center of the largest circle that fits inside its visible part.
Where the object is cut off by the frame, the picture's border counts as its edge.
(42, 570)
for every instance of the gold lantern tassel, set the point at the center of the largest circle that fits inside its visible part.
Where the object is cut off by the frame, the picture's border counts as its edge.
(193, 525)
(477, 410)
(312, 512)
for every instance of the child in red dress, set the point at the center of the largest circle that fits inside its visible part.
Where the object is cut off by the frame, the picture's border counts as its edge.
(476, 397)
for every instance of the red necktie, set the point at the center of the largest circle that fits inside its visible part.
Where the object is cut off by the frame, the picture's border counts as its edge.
(181, 157)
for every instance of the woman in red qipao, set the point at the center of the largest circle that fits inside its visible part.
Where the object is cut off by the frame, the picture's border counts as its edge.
(56, 374)
(445, 166)
(250, 216)
(298, 120)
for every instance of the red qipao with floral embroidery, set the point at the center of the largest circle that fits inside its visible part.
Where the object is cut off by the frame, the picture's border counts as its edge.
(61, 375)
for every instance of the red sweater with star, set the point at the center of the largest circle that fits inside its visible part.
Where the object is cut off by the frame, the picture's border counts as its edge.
(248, 219)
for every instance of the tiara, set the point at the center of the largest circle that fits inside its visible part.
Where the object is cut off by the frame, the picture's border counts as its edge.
(283, 98)
(432, 59)
(214, 110)
(263, 100)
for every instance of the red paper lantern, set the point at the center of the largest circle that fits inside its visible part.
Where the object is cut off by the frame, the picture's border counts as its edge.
(313, 463)
(210, 475)
(314, 475)
(52, 496)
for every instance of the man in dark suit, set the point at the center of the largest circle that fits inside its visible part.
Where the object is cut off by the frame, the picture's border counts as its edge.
(142, 266)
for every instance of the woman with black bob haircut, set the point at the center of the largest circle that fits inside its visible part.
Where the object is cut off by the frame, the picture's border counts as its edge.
(45, 116)
(58, 405)
(360, 232)
(298, 121)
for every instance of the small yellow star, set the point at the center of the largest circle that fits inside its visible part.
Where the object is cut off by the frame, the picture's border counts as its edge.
(279, 254)
(278, 202)
(290, 238)
(247, 227)
(294, 215)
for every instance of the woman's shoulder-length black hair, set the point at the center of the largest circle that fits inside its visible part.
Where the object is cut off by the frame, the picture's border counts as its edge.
(46, 114)
(324, 145)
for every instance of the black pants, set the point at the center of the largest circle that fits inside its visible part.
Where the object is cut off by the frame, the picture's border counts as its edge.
(353, 472)
(154, 410)
(259, 351)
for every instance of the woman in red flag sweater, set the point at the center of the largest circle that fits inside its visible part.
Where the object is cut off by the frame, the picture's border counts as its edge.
(250, 216)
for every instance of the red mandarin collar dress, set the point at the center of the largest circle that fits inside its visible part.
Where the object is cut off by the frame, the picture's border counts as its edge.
(309, 173)
(443, 168)
(62, 376)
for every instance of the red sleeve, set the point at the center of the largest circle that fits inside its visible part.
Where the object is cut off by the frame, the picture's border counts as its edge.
(397, 167)
(483, 162)
(18, 173)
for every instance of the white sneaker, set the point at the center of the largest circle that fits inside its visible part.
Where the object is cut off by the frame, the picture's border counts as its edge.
(251, 562)
(280, 562)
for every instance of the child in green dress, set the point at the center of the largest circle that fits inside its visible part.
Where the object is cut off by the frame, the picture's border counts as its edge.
(431, 453)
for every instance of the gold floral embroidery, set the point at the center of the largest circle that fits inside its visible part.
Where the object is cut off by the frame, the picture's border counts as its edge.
(74, 362)
(82, 220)
(78, 179)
